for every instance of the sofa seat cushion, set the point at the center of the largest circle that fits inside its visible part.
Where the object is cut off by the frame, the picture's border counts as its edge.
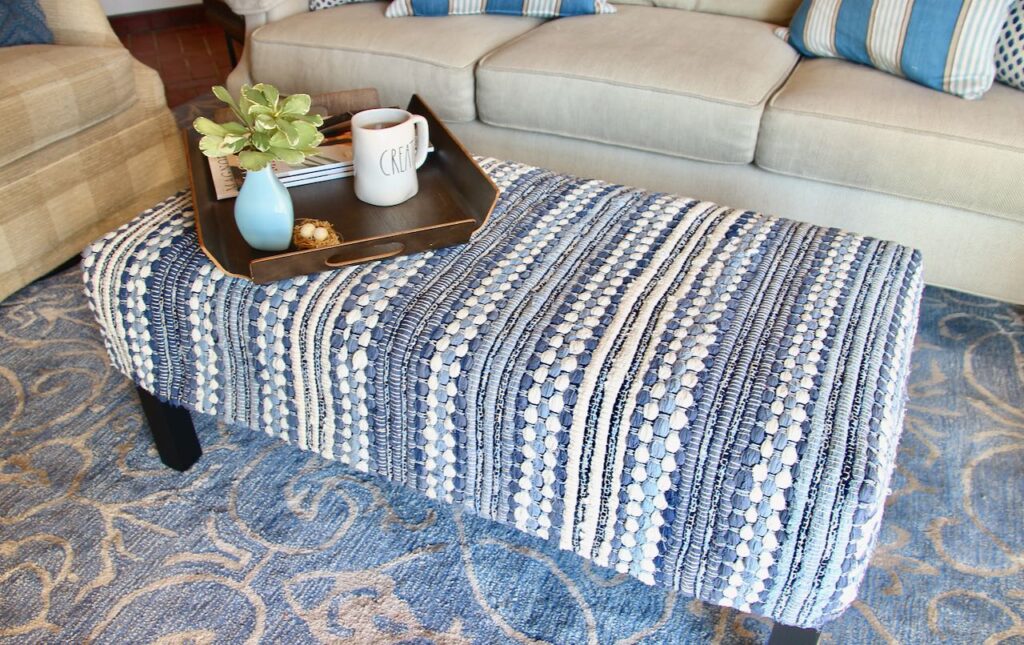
(356, 46)
(675, 82)
(852, 125)
(50, 92)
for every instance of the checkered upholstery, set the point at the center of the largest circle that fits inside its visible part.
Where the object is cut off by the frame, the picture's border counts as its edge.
(62, 91)
(82, 22)
(93, 145)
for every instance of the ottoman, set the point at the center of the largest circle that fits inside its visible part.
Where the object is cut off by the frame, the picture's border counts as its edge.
(701, 397)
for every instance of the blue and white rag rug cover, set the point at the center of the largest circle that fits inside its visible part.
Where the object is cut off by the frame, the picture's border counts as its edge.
(702, 397)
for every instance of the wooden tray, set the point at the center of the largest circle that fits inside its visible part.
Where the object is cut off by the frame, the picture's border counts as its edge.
(455, 198)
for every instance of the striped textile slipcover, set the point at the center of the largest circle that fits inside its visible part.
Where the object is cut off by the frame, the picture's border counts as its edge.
(947, 46)
(698, 396)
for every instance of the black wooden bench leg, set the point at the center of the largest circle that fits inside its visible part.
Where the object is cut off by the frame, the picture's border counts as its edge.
(789, 635)
(172, 430)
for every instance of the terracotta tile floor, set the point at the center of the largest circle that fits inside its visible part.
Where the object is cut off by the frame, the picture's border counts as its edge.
(190, 58)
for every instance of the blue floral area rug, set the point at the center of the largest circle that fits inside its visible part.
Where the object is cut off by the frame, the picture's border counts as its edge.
(260, 542)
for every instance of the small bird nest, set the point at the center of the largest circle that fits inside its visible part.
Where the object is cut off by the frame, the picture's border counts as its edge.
(314, 234)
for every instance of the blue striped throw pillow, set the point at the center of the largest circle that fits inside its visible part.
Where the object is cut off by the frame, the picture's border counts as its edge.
(22, 22)
(533, 8)
(942, 44)
(1010, 49)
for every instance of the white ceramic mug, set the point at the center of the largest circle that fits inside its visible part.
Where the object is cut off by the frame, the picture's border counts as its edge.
(388, 145)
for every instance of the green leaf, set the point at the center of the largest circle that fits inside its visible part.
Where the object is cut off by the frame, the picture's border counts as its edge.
(244, 106)
(312, 147)
(270, 92)
(289, 129)
(313, 119)
(206, 126)
(265, 122)
(256, 108)
(295, 105)
(235, 143)
(255, 94)
(212, 146)
(278, 140)
(308, 135)
(222, 93)
(233, 127)
(252, 160)
(209, 145)
(262, 141)
(291, 157)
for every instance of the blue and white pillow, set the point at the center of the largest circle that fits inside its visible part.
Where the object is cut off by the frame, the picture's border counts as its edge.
(532, 8)
(316, 5)
(947, 46)
(22, 22)
(1010, 48)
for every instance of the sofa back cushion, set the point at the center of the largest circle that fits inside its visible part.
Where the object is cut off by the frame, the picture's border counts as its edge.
(708, 109)
(357, 46)
(776, 11)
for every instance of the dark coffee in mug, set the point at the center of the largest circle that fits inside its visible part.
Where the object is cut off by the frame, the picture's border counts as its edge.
(383, 125)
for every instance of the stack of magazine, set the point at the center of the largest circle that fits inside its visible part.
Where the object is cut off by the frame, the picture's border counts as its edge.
(331, 161)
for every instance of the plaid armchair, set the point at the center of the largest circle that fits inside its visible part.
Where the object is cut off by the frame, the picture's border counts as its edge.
(91, 143)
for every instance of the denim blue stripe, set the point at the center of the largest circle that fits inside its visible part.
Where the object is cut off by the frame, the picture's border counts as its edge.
(852, 31)
(934, 49)
(929, 36)
(576, 7)
(507, 7)
(796, 28)
(430, 7)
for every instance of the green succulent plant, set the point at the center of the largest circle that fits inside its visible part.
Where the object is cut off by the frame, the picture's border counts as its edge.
(270, 127)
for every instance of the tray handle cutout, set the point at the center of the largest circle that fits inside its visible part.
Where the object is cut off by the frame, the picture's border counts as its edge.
(366, 254)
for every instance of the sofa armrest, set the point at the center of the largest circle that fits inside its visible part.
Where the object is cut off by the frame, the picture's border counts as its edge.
(82, 22)
(274, 10)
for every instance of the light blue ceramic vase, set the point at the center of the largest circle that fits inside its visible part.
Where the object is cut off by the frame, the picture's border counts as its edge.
(263, 211)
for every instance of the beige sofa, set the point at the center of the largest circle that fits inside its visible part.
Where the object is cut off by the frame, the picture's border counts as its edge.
(708, 103)
(88, 142)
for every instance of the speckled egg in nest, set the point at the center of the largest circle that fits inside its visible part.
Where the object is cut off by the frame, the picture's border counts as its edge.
(314, 234)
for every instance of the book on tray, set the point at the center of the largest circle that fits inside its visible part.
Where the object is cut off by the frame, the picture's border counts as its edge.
(332, 161)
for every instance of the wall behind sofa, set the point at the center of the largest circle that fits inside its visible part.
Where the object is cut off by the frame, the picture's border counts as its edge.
(117, 7)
